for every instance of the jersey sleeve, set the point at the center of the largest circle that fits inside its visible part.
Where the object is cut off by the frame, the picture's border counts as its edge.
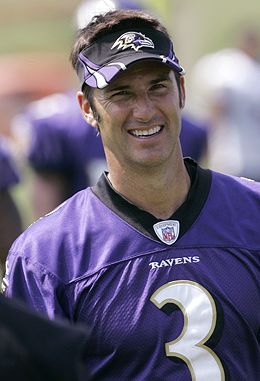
(8, 172)
(29, 281)
(194, 138)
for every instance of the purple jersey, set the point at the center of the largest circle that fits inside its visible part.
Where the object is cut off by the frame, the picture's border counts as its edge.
(181, 311)
(8, 171)
(61, 141)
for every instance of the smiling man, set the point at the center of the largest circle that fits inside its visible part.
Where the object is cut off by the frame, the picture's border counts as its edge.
(161, 257)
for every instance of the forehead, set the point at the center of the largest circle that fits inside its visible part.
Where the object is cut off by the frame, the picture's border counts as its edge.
(146, 70)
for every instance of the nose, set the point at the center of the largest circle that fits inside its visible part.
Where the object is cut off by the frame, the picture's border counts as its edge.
(143, 108)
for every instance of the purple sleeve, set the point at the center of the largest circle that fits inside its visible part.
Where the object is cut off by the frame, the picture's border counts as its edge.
(8, 172)
(194, 139)
(33, 284)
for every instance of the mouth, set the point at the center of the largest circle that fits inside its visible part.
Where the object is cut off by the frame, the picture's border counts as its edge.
(146, 133)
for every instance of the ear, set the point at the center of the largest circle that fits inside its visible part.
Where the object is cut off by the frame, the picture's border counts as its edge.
(86, 109)
(182, 92)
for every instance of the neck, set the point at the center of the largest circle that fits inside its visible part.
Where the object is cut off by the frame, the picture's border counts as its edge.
(158, 192)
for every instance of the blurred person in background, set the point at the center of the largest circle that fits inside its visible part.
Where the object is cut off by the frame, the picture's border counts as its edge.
(23, 79)
(64, 151)
(10, 219)
(225, 94)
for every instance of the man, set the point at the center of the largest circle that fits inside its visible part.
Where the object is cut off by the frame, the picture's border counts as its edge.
(160, 257)
(33, 348)
(10, 219)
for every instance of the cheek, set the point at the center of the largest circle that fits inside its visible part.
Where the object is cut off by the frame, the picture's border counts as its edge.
(105, 109)
(114, 115)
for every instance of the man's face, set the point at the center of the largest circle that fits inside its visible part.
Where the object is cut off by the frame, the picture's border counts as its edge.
(139, 115)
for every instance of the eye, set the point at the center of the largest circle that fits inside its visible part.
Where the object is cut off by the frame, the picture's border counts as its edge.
(158, 87)
(122, 94)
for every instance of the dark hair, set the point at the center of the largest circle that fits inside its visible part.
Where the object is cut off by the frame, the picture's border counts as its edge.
(111, 22)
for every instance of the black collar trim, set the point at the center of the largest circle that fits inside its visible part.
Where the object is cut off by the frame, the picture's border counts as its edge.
(143, 221)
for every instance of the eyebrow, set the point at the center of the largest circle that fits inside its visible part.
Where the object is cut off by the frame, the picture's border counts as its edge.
(161, 78)
(117, 88)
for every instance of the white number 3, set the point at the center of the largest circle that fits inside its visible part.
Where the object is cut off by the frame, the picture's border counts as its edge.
(199, 311)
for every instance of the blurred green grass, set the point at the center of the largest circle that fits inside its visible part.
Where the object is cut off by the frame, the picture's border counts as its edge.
(198, 26)
(30, 25)
(36, 36)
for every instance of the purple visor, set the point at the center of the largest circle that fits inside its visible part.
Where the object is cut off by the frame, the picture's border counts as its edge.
(99, 63)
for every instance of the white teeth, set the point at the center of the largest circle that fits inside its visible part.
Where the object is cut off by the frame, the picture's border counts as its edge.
(149, 132)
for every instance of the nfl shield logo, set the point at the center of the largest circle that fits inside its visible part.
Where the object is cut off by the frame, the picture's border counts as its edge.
(167, 231)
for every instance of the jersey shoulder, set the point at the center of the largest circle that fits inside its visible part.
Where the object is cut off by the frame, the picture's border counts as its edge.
(8, 169)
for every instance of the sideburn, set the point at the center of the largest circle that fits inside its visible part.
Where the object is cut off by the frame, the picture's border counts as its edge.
(179, 89)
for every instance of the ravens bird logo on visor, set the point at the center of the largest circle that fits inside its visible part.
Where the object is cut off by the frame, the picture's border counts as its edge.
(133, 40)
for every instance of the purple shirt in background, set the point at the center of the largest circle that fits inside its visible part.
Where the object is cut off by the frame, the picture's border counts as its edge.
(61, 141)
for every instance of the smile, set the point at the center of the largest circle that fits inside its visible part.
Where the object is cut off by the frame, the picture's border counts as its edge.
(146, 133)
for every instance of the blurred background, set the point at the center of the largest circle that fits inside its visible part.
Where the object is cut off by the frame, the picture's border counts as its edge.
(36, 38)
(197, 26)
